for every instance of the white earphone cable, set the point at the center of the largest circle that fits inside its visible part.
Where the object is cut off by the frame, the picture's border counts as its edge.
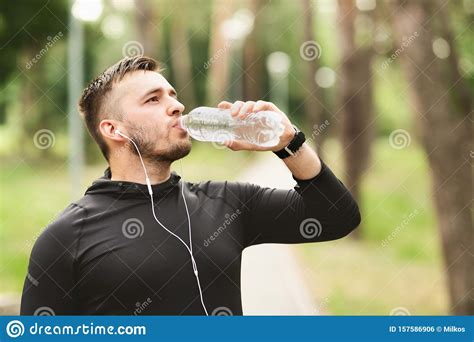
(190, 248)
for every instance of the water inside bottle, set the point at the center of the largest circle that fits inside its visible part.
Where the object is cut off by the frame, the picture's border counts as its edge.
(217, 125)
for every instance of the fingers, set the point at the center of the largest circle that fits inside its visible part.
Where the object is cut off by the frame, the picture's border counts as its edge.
(238, 145)
(224, 105)
(235, 145)
(246, 109)
(236, 107)
(262, 105)
(241, 109)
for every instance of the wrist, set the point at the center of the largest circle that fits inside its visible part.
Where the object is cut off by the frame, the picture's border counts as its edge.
(305, 165)
(294, 144)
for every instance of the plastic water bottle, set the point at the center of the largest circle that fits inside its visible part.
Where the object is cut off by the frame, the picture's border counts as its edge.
(215, 124)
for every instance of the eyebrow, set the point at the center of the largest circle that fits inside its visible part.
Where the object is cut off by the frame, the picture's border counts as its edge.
(159, 89)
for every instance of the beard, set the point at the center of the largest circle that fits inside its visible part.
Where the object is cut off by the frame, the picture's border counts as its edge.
(147, 147)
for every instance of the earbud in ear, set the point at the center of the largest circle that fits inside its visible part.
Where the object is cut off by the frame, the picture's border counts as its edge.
(117, 132)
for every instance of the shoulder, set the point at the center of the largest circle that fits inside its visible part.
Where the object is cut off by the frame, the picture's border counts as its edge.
(62, 232)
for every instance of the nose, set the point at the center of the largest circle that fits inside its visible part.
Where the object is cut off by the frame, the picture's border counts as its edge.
(176, 108)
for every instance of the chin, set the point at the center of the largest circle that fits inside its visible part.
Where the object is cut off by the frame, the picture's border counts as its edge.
(177, 151)
(184, 149)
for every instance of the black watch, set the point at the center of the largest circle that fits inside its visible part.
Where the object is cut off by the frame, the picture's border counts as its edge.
(293, 146)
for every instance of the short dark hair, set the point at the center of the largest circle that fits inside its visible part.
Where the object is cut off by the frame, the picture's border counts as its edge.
(94, 96)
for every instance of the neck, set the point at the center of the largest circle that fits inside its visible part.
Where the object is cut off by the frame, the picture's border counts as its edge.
(131, 170)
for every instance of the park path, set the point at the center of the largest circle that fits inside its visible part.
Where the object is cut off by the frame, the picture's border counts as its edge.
(272, 281)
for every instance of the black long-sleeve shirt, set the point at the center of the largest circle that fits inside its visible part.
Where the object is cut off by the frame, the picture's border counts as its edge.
(106, 255)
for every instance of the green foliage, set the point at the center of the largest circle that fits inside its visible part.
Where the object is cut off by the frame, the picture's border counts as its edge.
(26, 26)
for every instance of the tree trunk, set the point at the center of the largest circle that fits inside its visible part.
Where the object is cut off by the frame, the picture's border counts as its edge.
(145, 17)
(253, 59)
(219, 53)
(314, 103)
(440, 97)
(181, 54)
(30, 112)
(355, 96)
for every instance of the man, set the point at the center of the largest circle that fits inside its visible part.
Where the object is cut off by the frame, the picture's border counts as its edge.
(110, 254)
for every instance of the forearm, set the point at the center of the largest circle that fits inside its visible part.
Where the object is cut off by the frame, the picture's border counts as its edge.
(305, 164)
(285, 216)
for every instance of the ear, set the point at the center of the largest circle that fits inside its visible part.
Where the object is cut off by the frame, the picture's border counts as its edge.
(108, 127)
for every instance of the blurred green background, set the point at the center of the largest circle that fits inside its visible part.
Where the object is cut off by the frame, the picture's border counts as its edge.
(370, 97)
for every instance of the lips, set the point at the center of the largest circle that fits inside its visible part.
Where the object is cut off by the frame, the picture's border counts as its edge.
(178, 126)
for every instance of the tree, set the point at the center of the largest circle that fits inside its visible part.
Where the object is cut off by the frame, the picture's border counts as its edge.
(442, 110)
(145, 18)
(219, 53)
(355, 94)
(314, 95)
(181, 54)
(253, 60)
(28, 33)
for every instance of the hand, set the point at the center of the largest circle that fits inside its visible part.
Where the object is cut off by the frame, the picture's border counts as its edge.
(241, 110)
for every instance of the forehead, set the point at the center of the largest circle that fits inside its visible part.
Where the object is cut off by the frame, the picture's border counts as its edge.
(137, 83)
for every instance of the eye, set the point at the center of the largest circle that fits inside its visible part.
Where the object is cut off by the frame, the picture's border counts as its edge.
(153, 99)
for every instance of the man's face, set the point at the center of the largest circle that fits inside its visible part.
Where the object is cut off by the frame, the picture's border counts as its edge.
(151, 110)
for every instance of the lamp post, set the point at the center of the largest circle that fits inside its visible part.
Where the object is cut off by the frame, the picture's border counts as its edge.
(81, 10)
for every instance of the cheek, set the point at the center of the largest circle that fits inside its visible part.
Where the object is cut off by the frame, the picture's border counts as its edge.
(160, 132)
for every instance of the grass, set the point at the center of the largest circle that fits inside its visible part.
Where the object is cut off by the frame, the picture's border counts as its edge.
(398, 261)
(34, 193)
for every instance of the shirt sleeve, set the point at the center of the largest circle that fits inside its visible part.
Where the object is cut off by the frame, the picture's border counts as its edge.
(318, 209)
(49, 283)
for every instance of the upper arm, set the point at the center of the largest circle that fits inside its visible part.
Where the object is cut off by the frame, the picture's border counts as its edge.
(273, 215)
(319, 209)
(49, 282)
